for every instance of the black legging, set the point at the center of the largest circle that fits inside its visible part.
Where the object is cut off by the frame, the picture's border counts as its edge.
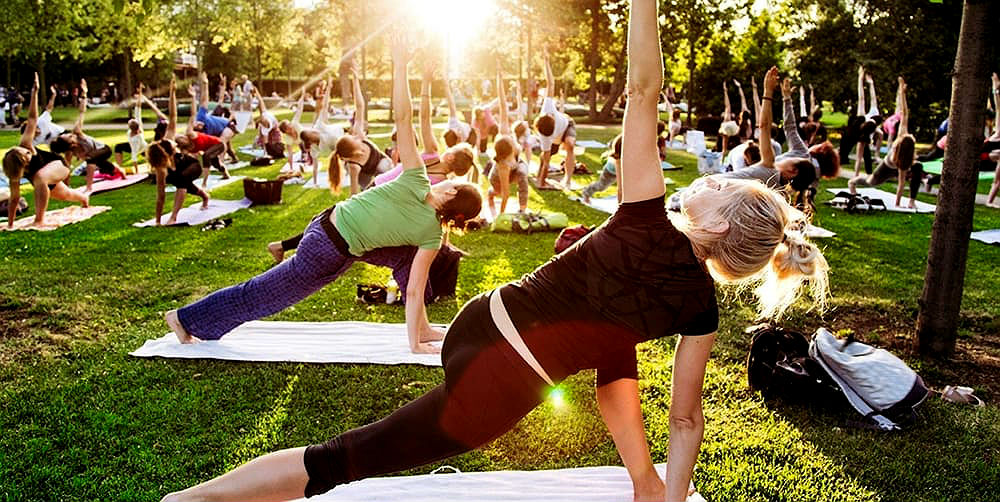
(211, 155)
(488, 388)
(102, 159)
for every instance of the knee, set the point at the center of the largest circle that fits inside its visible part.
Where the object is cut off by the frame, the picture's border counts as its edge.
(326, 466)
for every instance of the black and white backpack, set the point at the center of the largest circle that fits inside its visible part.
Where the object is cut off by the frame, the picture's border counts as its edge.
(875, 382)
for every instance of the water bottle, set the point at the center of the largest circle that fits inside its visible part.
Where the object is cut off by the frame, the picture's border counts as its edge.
(392, 291)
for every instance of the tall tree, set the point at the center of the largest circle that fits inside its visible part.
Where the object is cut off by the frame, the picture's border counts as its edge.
(693, 22)
(937, 322)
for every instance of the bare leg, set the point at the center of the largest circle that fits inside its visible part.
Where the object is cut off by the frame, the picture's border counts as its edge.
(41, 201)
(858, 159)
(90, 176)
(991, 202)
(570, 167)
(489, 196)
(119, 159)
(204, 199)
(63, 192)
(178, 204)
(274, 477)
(543, 168)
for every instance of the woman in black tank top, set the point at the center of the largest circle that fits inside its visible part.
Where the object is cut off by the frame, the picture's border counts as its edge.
(639, 276)
(173, 167)
(364, 160)
(46, 171)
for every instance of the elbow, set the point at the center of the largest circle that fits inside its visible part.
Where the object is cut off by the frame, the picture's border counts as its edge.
(687, 423)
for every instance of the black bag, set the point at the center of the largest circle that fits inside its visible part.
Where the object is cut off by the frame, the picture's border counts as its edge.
(22, 206)
(444, 271)
(779, 366)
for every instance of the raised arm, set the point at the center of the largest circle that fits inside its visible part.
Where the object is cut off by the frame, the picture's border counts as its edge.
(78, 126)
(873, 106)
(756, 99)
(764, 120)
(452, 110)
(795, 143)
(159, 114)
(193, 114)
(28, 136)
(743, 97)
(52, 99)
(222, 90)
(903, 109)
(203, 83)
(640, 177)
(324, 106)
(360, 112)
(812, 99)
(802, 101)
(996, 106)
(550, 80)
(426, 131)
(728, 113)
(297, 117)
(406, 138)
(137, 110)
(502, 99)
(172, 111)
(862, 111)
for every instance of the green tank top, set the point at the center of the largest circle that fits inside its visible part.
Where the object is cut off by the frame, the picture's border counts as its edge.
(393, 214)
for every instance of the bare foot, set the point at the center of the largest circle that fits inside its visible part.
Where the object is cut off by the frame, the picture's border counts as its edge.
(586, 199)
(86, 200)
(276, 251)
(175, 325)
(171, 221)
(994, 205)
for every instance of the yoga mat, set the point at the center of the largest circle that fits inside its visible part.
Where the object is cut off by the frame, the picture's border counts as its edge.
(251, 151)
(987, 236)
(323, 181)
(581, 484)
(347, 342)
(814, 232)
(589, 143)
(936, 166)
(237, 165)
(889, 200)
(58, 218)
(242, 120)
(513, 205)
(666, 166)
(214, 181)
(194, 215)
(607, 204)
(107, 186)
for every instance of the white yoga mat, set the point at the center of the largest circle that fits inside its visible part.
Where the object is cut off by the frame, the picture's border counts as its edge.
(987, 236)
(309, 342)
(214, 181)
(251, 151)
(513, 205)
(607, 204)
(323, 181)
(889, 200)
(581, 484)
(194, 215)
(237, 165)
(242, 120)
(589, 143)
(814, 232)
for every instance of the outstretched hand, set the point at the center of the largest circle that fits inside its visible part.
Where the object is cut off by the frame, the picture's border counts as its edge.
(770, 81)
(173, 84)
(996, 81)
(737, 82)
(83, 87)
(34, 87)
(402, 51)
(786, 88)
(753, 82)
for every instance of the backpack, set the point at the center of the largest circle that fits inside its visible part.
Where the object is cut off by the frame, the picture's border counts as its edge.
(570, 235)
(779, 365)
(876, 383)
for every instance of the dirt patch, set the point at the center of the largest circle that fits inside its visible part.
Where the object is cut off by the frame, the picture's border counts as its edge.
(30, 329)
(976, 362)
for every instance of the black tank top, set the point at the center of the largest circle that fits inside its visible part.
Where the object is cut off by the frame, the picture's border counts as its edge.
(370, 167)
(40, 159)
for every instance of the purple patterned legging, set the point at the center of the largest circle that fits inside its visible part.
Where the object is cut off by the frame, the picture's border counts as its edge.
(316, 263)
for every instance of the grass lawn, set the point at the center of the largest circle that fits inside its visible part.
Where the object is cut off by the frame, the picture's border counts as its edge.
(82, 420)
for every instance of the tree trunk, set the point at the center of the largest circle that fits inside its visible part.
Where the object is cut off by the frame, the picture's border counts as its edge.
(127, 88)
(594, 57)
(43, 90)
(259, 75)
(940, 303)
(617, 88)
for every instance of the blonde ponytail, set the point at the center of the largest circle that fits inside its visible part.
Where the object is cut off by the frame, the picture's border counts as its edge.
(334, 173)
(795, 263)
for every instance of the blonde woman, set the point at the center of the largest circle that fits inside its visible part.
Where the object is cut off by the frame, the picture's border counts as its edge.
(646, 276)
(363, 158)
(46, 171)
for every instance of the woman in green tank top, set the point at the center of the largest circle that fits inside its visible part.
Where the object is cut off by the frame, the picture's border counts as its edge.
(376, 226)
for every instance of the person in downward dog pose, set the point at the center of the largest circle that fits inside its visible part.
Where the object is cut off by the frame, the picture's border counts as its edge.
(363, 158)
(75, 143)
(555, 129)
(647, 275)
(900, 161)
(507, 167)
(171, 166)
(46, 171)
(407, 211)
(609, 174)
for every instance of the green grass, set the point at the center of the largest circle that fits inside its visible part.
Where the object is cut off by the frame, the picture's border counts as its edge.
(82, 420)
